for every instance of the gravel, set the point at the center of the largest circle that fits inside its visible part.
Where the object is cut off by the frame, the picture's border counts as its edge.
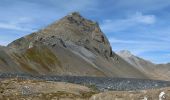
(100, 83)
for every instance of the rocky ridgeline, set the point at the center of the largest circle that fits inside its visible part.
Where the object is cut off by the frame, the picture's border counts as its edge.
(72, 29)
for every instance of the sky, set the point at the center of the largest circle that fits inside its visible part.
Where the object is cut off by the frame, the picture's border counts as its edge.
(140, 26)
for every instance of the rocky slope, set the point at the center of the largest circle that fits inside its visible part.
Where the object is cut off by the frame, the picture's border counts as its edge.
(163, 70)
(156, 71)
(7, 64)
(71, 46)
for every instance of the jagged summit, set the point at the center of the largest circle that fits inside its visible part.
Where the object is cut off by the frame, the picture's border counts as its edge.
(74, 19)
(71, 29)
(74, 14)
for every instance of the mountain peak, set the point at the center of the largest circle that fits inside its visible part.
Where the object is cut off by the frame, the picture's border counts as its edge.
(71, 29)
(77, 18)
(75, 14)
(125, 53)
(74, 20)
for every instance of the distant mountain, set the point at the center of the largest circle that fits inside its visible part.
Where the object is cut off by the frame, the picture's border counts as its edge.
(71, 46)
(163, 70)
(139, 63)
(156, 71)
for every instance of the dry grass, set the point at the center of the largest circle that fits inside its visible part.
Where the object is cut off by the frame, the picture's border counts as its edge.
(11, 89)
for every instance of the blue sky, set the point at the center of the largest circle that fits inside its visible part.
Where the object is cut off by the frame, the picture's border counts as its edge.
(140, 26)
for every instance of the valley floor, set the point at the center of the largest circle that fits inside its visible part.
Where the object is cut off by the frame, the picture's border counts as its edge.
(27, 87)
(16, 89)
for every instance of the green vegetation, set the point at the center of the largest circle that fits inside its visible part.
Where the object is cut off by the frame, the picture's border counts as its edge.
(93, 87)
(42, 56)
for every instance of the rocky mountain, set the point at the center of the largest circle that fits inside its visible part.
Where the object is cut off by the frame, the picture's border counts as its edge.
(71, 46)
(156, 71)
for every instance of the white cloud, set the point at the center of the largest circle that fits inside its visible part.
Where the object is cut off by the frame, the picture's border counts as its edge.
(122, 24)
(142, 5)
(138, 46)
(115, 40)
(17, 24)
(13, 27)
(130, 41)
(140, 18)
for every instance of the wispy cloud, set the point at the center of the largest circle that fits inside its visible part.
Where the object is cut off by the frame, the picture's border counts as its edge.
(139, 46)
(13, 27)
(112, 25)
(115, 40)
(141, 5)
(18, 25)
(141, 18)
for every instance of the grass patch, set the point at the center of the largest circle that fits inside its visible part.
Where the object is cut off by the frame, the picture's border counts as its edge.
(94, 88)
(42, 56)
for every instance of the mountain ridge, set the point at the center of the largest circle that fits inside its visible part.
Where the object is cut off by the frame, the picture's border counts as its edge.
(85, 31)
(73, 46)
(159, 71)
